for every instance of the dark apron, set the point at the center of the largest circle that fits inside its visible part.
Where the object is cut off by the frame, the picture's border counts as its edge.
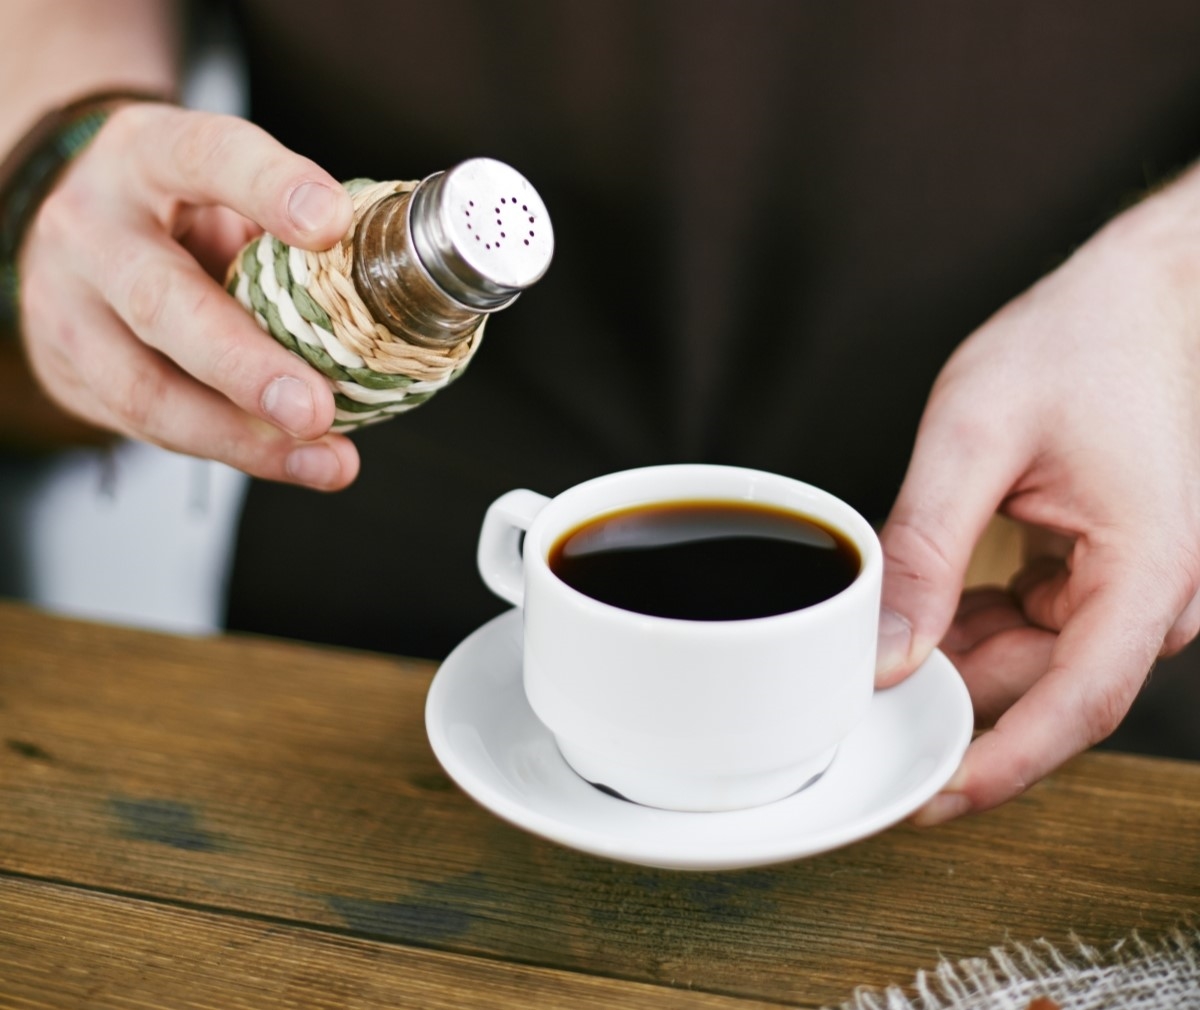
(774, 220)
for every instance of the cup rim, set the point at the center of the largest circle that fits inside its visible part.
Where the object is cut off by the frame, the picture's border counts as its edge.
(849, 521)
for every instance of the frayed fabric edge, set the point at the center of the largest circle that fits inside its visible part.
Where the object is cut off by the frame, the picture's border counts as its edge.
(1131, 974)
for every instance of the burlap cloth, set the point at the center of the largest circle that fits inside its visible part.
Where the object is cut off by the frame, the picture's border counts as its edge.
(1133, 974)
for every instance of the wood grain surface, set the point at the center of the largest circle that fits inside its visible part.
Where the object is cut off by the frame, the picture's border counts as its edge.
(108, 951)
(166, 796)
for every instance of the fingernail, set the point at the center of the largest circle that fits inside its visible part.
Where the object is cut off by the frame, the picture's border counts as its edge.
(315, 465)
(312, 206)
(289, 403)
(895, 641)
(943, 807)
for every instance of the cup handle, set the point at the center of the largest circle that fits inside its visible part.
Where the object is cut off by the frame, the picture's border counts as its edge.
(499, 553)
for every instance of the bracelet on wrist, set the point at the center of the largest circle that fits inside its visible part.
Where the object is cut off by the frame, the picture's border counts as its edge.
(31, 168)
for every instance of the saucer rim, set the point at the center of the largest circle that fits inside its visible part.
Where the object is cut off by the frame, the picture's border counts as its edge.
(742, 854)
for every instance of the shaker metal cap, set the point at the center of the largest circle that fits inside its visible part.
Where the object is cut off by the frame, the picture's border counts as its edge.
(482, 232)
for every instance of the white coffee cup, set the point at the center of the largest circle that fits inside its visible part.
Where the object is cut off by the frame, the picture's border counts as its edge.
(686, 714)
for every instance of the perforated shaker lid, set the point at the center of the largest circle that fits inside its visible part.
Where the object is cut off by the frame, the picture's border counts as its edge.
(482, 232)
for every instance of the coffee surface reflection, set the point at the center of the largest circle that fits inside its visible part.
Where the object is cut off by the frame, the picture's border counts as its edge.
(706, 560)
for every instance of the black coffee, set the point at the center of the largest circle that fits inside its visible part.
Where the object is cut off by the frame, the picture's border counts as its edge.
(706, 560)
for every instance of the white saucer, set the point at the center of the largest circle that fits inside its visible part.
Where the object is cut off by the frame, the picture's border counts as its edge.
(489, 741)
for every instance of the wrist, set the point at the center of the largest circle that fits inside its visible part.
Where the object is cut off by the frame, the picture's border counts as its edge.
(29, 171)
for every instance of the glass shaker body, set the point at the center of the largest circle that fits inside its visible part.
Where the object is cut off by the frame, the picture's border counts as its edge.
(461, 244)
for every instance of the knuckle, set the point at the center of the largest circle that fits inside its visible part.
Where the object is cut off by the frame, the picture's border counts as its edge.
(1046, 604)
(1177, 584)
(1008, 784)
(59, 215)
(913, 550)
(1186, 558)
(228, 372)
(1178, 638)
(1006, 768)
(129, 120)
(69, 233)
(140, 399)
(251, 448)
(147, 295)
(1102, 709)
(277, 175)
(213, 151)
(1183, 631)
(204, 143)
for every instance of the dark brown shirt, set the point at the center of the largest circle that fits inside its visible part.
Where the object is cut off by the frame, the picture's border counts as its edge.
(774, 218)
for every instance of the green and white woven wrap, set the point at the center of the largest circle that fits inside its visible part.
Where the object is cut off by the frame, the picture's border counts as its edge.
(308, 302)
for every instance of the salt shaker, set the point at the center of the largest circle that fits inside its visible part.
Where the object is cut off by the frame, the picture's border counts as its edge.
(396, 310)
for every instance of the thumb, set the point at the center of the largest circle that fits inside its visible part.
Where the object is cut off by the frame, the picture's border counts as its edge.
(956, 479)
(207, 159)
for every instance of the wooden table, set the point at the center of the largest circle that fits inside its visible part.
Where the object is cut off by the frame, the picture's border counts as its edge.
(240, 822)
